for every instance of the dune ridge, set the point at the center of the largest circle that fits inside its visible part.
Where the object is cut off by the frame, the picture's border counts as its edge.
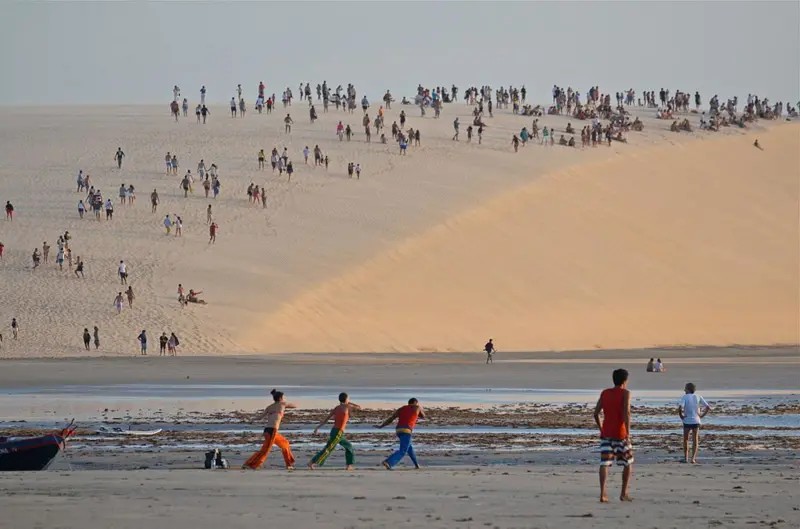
(695, 243)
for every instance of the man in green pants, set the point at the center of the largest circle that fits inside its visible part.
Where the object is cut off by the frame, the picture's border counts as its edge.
(340, 415)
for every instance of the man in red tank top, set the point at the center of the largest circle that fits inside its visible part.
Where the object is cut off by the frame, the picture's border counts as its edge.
(615, 444)
(406, 421)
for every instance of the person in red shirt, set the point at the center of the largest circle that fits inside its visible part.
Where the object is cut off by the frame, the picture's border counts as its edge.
(340, 415)
(615, 443)
(406, 421)
(212, 233)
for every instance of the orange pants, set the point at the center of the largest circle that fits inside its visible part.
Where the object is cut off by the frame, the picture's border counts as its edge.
(271, 437)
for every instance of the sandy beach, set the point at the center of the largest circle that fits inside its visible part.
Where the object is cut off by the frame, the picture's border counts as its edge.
(670, 239)
(509, 445)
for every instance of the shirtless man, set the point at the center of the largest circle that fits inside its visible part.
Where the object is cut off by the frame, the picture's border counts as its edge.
(287, 124)
(615, 444)
(340, 415)
(118, 156)
(272, 416)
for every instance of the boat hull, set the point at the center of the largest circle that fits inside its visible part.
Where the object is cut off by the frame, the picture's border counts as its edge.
(29, 454)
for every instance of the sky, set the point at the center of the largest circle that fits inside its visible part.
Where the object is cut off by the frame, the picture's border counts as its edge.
(134, 52)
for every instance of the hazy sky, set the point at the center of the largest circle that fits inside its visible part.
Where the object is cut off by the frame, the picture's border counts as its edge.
(135, 52)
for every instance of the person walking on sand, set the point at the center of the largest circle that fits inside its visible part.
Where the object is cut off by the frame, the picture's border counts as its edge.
(9, 211)
(168, 224)
(162, 344)
(208, 214)
(154, 201)
(122, 270)
(406, 421)
(340, 415)
(212, 233)
(489, 350)
(272, 415)
(35, 258)
(178, 226)
(96, 336)
(118, 302)
(262, 157)
(455, 128)
(46, 252)
(615, 444)
(287, 128)
(130, 296)
(691, 409)
(14, 328)
(79, 268)
(118, 156)
(87, 339)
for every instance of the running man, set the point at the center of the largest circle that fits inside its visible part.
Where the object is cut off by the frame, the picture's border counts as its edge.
(340, 415)
(406, 420)
(273, 415)
(691, 409)
(615, 443)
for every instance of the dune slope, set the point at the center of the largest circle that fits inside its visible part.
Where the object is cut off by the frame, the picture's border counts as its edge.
(695, 243)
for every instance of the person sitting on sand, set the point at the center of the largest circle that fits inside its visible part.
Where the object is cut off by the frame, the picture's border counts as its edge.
(273, 414)
(562, 141)
(192, 297)
(650, 366)
(340, 415)
(691, 409)
(637, 125)
(570, 130)
(674, 126)
(659, 367)
(571, 142)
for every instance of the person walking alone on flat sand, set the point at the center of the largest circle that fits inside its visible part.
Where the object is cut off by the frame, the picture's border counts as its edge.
(615, 405)
(406, 421)
(273, 415)
(489, 350)
(691, 409)
(340, 415)
(118, 156)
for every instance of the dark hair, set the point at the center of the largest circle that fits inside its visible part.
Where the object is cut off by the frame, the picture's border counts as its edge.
(412, 401)
(690, 387)
(276, 395)
(342, 397)
(620, 376)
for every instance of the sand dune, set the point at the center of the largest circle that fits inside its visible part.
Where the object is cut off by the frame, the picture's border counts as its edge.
(695, 244)
(671, 238)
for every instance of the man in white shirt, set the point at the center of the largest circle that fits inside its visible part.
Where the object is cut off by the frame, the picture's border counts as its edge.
(691, 409)
(123, 273)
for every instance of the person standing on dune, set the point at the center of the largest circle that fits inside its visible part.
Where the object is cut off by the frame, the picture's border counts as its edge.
(615, 444)
(273, 415)
(406, 421)
(340, 415)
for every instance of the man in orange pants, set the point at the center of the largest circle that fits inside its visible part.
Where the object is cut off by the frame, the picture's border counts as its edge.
(273, 415)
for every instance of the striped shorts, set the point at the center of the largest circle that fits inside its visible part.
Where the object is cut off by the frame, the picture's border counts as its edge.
(620, 450)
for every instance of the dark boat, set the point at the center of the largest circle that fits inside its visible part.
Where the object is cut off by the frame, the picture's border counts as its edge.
(32, 453)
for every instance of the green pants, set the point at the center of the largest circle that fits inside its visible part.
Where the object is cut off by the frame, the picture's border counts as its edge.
(336, 438)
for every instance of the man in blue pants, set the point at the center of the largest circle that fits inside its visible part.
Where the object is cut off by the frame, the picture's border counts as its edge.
(406, 421)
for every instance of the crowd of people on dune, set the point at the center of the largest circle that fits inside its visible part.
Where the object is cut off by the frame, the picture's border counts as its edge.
(608, 123)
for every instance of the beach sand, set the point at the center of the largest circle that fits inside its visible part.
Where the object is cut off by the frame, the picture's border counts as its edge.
(669, 239)
(745, 495)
